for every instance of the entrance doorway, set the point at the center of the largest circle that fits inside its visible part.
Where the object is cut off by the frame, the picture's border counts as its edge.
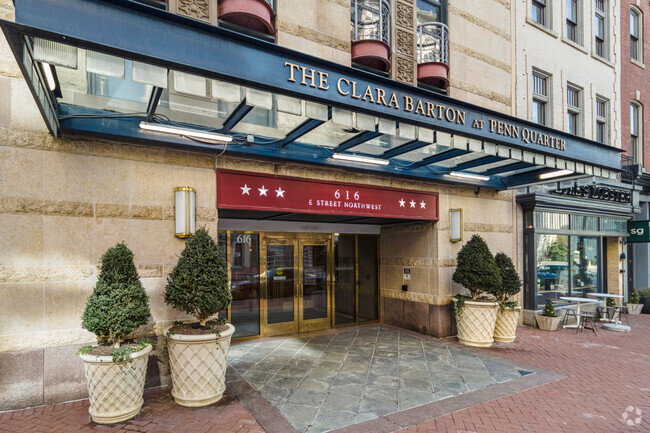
(286, 283)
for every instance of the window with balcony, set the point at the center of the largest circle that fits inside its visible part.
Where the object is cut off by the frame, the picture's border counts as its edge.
(600, 29)
(572, 21)
(370, 33)
(541, 98)
(602, 120)
(432, 11)
(636, 140)
(539, 12)
(635, 35)
(574, 110)
(433, 43)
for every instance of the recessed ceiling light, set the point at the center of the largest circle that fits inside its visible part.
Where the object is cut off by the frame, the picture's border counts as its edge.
(190, 133)
(553, 174)
(362, 159)
(469, 176)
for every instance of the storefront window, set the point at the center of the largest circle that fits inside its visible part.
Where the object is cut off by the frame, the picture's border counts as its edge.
(552, 267)
(345, 293)
(368, 287)
(584, 265)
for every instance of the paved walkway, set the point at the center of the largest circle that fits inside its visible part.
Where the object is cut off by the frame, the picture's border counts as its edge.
(606, 376)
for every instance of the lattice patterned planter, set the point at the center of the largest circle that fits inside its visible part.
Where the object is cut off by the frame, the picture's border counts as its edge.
(548, 323)
(475, 325)
(198, 366)
(634, 308)
(115, 390)
(506, 325)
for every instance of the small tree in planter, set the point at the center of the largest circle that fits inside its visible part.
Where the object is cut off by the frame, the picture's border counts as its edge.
(508, 314)
(548, 321)
(117, 306)
(476, 270)
(198, 352)
(634, 306)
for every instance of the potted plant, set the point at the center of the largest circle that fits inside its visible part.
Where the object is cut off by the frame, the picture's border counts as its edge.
(198, 352)
(548, 321)
(644, 298)
(476, 315)
(508, 313)
(115, 372)
(634, 306)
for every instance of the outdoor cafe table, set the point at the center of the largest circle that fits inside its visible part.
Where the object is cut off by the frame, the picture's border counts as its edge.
(605, 296)
(578, 301)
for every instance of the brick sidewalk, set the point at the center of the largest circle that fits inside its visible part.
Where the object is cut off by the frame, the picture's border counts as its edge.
(605, 375)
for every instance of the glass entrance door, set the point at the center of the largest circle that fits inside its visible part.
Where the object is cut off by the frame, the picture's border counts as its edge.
(297, 285)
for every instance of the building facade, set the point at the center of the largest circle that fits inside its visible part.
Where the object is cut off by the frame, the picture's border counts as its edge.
(328, 144)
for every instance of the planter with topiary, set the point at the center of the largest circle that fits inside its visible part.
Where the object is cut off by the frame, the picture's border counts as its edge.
(116, 372)
(644, 298)
(548, 321)
(476, 314)
(505, 328)
(634, 306)
(198, 352)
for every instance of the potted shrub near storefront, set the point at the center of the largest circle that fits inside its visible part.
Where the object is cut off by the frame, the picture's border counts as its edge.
(508, 313)
(548, 321)
(634, 306)
(476, 315)
(116, 372)
(198, 352)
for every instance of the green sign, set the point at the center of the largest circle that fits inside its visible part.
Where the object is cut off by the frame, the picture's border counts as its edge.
(639, 231)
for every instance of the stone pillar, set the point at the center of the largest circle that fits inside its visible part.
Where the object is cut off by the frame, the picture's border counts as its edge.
(403, 27)
(203, 10)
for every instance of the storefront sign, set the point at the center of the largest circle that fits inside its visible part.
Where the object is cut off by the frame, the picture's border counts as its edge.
(596, 192)
(246, 191)
(429, 109)
(639, 231)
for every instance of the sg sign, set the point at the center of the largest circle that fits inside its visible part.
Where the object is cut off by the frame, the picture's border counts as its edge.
(639, 231)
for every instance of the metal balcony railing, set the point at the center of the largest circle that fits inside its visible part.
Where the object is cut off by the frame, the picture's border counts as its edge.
(433, 43)
(371, 20)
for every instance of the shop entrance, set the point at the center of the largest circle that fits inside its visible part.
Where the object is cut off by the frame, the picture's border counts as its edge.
(286, 283)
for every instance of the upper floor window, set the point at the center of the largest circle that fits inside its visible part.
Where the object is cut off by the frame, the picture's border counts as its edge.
(432, 11)
(574, 110)
(636, 142)
(600, 26)
(635, 35)
(541, 98)
(572, 21)
(540, 12)
(602, 110)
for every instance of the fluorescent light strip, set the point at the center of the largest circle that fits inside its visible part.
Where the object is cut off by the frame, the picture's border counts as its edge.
(49, 76)
(192, 133)
(363, 159)
(553, 174)
(469, 176)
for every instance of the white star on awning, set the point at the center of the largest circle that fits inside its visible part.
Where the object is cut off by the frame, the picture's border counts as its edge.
(245, 189)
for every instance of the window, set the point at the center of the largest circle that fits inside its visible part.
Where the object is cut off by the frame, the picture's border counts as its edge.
(541, 98)
(635, 35)
(636, 142)
(602, 131)
(574, 110)
(572, 30)
(432, 11)
(600, 24)
(539, 12)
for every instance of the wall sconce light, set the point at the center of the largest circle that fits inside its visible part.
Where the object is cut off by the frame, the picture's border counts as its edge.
(456, 225)
(185, 211)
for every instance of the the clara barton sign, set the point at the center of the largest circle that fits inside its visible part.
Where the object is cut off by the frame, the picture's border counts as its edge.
(246, 191)
(596, 192)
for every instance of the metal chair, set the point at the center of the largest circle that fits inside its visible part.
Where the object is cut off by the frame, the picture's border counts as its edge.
(584, 320)
(569, 312)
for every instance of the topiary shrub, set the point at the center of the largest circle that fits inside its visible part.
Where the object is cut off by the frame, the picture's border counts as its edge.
(118, 304)
(476, 269)
(610, 302)
(510, 281)
(198, 285)
(634, 297)
(549, 310)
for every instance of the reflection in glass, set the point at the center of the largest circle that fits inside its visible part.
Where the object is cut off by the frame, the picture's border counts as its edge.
(345, 296)
(368, 284)
(584, 265)
(552, 268)
(314, 281)
(279, 280)
(245, 283)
